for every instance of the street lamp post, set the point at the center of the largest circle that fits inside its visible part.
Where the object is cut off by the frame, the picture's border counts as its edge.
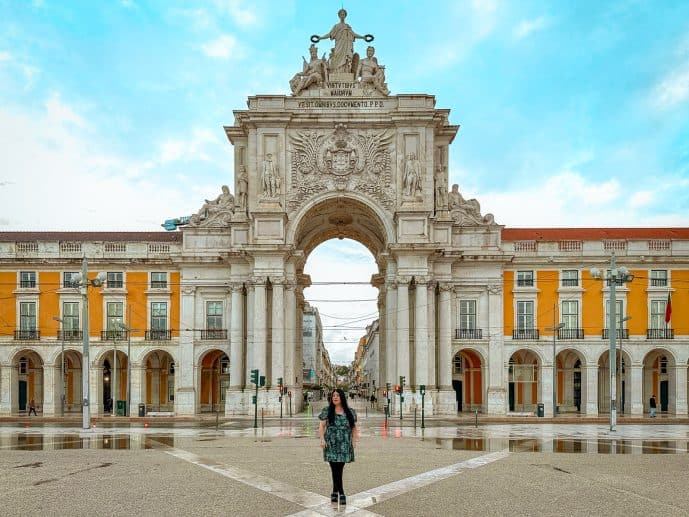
(83, 281)
(62, 365)
(555, 328)
(616, 274)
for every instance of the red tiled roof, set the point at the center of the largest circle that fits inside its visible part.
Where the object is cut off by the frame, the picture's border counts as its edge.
(592, 234)
(92, 236)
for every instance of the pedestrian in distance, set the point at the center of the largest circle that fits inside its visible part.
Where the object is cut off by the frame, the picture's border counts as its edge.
(373, 401)
(339, 435)
(652, 404)
(32, 407)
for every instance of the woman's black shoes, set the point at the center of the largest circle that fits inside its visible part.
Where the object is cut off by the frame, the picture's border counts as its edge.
(343, 499)
(333, 497)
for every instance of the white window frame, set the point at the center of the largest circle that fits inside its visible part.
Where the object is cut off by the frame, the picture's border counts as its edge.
(524, 282)
(108, 322)
(159, 284)
(71, 317)
(659, 278)
(468, 320)
(33, 283)
(568, 317)
(656, 313)
(564, 278)
(152, 316)
(621, 306)
(221, 315)
(517, 325)
(108, 282)
(65, 283)
(21, 316)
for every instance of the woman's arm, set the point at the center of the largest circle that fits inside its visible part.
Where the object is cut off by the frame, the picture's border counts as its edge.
(321, 433)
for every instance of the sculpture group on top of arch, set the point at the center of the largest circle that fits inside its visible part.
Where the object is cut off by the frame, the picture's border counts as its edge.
(343, 64)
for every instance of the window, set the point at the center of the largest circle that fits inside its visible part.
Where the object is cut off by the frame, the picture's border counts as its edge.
(213, 315)
(23, 366)
(225, 365)
(467, 314)
(115, 316)
(70, 316)
(115, 280)
(27, 316)
(658, 314)
(659, 278)
(663, 364)
(158, 280)
(158, 315)
(524, 278)
(570, 278)
(27, 279)
(619, 313)
(171, 368)
(570, 314)
(525, 320)
(457, 364)
(68, 279)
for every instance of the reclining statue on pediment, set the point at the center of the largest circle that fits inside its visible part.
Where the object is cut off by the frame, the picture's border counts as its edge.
(466, 212)
(215, 213)
(314, 73)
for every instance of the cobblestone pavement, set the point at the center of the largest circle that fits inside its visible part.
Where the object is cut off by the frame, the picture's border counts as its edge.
(501, 469)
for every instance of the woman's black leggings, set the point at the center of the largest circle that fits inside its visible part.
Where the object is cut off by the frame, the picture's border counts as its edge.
(337, 467)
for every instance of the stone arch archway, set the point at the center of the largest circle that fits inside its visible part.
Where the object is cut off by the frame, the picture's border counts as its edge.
(214, 380)
(159, 381)
(468, 379)
(660, 379)
(571, 381)
(524, 380)
(29, 381)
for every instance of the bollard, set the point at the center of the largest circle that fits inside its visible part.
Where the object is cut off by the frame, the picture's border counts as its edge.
(261, 418)
(476, 417)
(217, 418)
(414, 418)
(366, 411)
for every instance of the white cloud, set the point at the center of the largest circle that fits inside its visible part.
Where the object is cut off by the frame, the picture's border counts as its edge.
(223, 47)
(242, 15)
(193, 148)
(673, 89)
(59, 113)
(528, 27)
(5, 56)
(641, 198)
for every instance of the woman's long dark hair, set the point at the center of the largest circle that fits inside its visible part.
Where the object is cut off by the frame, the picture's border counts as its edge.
(347, 411)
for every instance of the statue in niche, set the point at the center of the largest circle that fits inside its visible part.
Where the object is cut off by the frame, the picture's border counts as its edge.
(269, 176)
(216, 212)
(466, 212)
(315, 72)
(342, 58)
(412, 176)
(243, 187)
(371, 73)
(440, 188)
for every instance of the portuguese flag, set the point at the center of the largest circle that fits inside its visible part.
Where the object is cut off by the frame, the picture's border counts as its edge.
(668, 309)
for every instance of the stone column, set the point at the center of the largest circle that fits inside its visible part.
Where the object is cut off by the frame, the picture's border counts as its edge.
(96, 389)
(497, 399)
(390, 332)
(51, 396)
(430, 323)
(421, 334)
(291, 328)
(680, 398)
(185, 394)
(258, 356)
(236, 335)
(637, 403)
(138, 387)
(402, 344)
(9, 389)
(546, 380)
(278, 324)
(590, 395)
(249, 333)
(445, 337)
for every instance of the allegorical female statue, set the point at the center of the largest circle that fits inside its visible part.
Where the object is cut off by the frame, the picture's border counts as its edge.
(342, 58)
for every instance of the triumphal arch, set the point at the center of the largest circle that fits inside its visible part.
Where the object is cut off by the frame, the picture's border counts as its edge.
(342, 156)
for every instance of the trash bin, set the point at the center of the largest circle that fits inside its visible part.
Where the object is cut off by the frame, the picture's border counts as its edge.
(142, 409)
(121, 408)
(540, 410)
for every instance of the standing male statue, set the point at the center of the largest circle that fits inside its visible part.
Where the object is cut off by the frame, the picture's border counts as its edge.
(342, 58)
(412, 176)
(269, 177)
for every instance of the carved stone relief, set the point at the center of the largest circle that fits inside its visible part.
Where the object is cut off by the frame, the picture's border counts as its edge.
(467, 212)
(341, 160)
(215, 213)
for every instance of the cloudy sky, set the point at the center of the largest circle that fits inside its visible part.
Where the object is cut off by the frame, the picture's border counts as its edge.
(572, 113)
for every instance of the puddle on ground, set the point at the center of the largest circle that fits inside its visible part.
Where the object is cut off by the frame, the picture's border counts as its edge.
(38, 442)
(565, 445)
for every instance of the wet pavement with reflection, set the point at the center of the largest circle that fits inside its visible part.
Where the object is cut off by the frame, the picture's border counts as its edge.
(572, 439)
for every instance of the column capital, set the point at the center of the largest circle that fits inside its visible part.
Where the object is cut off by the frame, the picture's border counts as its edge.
(403, 279)
(188, 290)
(494, 289)
(445, 287)
(290, 285)
(280, 280)
(236, 287)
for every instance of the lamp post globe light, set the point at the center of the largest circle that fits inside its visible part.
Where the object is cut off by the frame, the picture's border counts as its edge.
(62, 364)
(615, 275)
(82, 280)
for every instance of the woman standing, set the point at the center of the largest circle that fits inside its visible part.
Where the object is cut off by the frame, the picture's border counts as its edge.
(339, 434)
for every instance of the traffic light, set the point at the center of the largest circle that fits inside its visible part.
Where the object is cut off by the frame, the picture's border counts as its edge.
(280, 384)
(398, 389)
(254, 377)
(402, 378)
(263, 380)
(385, 393)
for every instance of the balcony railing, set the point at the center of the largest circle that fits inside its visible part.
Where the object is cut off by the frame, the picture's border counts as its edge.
(658, 282)
(70, 335)
(214, 334)
(525, 334)
(570, 334)
(113, 335)
(158, 335)
(570, 282)
(24, 335)
(468, 334)
(624, 332)
(660, 334)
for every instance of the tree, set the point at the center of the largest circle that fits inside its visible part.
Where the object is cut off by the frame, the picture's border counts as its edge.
(342, 370)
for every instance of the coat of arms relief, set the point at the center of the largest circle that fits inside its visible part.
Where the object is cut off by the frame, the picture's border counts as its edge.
(341, 160)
